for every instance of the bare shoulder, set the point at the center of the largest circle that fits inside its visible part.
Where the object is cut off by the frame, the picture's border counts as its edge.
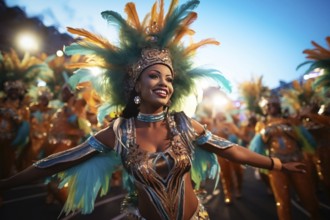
(106, 136)
(198, 127)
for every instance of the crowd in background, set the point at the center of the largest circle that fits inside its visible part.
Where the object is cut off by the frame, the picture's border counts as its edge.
(41, 114)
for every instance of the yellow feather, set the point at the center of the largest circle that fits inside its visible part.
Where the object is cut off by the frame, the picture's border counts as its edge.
(15, 59)
(76, 58)
(308, 86)
(161, 14)
(145, 21)
(27, 61)
(154, 14)
(193, 47)
(7, 62)
(132, 15)
(189, 19)
(91, 37)
(184, 30)
(85, 65)
(296, 85)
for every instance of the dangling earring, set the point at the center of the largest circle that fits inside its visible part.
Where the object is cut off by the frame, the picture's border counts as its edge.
(137, 100)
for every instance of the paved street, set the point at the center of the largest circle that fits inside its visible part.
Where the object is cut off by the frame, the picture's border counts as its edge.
(28, 202)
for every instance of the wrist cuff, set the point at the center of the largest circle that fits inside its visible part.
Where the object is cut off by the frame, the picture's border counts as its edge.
(277, 164)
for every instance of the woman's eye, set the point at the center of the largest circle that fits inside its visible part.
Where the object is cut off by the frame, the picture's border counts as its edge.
(153, 76)
(169, 80)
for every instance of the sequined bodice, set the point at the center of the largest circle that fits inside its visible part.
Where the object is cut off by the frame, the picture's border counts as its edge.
(159, 174)
(283, 141)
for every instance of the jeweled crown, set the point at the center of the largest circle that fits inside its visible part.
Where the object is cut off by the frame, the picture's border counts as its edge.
(149, 56)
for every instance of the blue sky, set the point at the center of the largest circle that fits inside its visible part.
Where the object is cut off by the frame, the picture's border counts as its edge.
(258, 37)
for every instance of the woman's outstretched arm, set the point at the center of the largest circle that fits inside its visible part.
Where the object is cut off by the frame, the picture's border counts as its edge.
(245, 156)
(62, 160)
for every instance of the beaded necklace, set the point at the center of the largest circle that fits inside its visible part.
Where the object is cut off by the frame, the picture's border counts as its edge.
(151, 117)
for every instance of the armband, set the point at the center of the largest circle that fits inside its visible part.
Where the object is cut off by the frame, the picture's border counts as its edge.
(90, 146)
(204, 138)
(214, 140)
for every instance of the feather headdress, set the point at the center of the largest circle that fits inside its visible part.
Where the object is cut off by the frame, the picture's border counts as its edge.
(160, 31)
(28, 70)
(300, 95)
(319, 57)
(252, 91)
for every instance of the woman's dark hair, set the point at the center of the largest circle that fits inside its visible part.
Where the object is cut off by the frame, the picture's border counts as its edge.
(131, 109)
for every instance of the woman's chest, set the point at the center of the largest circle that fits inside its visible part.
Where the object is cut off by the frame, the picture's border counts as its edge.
(152, 140)
(176, 158)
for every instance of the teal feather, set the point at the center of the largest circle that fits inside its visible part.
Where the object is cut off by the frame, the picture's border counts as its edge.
(128, 182)
(173, 22)
(40, 71)
(88, 180)
(88, 48)
(103, 111)
(233, 138)
(257, 145)
(79, 76)
(130, 36)
(22, 136)
(50, 58)
(38, 116)
(303, 64)
(204, 166)
(306, 140)
(214, 75)
(87, 75)
(185, 85)
(322, 81)
(322, 64)
(77, 49)
(72, 119)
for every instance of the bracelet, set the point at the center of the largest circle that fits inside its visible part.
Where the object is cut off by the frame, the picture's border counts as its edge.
(271, 163)
(277, 163)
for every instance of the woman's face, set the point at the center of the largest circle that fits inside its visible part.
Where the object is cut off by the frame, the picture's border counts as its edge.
(155, 87)
(273, 109)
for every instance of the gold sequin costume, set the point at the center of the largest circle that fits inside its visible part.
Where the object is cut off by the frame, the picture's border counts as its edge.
(282, 140)
(159, 175)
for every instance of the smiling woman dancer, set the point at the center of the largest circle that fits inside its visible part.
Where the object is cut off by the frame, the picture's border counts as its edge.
(162, 151)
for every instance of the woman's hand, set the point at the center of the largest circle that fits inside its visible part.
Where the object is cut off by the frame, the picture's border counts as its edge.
(294, 167)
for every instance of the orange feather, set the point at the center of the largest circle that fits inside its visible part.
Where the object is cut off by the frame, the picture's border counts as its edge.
(153, 14)
(161, 14)
(132, 15)
(193, 47)
(184, 30)
(91, 37)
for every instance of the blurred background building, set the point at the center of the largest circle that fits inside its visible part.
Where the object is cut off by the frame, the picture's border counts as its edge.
(22, 33)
